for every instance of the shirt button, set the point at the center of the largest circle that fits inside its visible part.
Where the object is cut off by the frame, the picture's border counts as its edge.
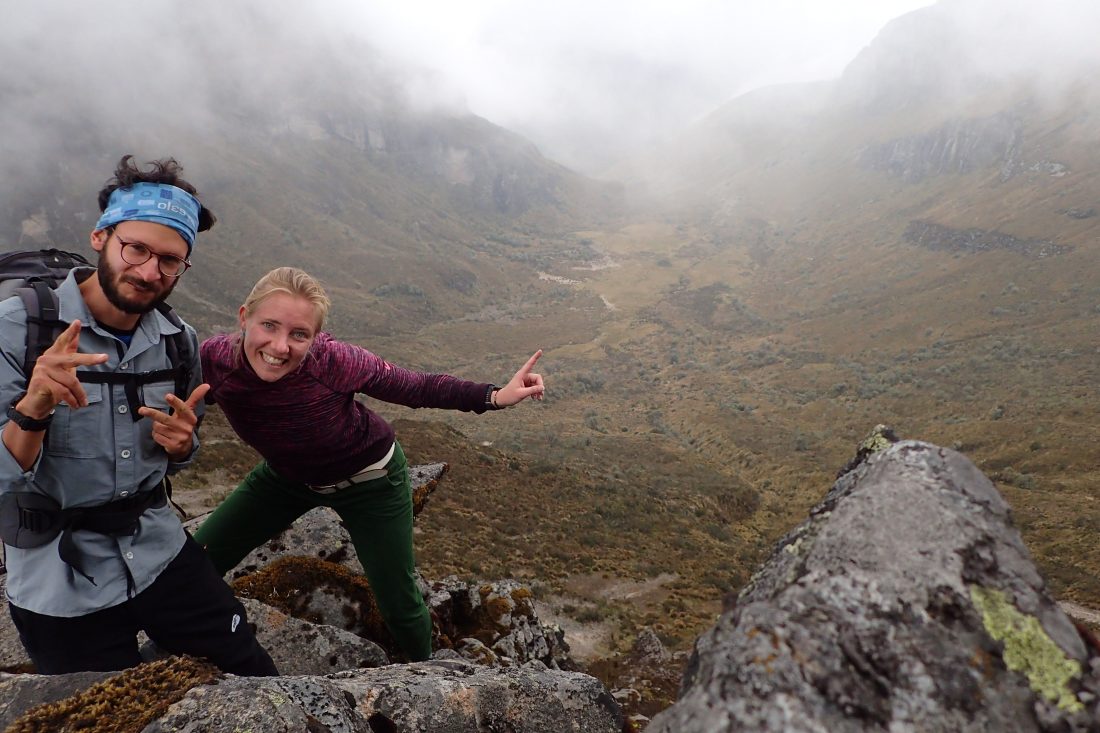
(124, 493)
(124, 365)
(129, 556)
(122, 409)
(125, 454)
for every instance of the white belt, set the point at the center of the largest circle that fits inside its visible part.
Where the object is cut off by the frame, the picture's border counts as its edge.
(374, 471)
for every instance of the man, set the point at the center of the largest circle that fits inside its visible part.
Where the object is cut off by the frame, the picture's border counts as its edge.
(95, 552)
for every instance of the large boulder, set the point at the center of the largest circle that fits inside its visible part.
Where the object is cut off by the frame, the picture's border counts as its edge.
(298, 647)
(907, 601)
(428, 697)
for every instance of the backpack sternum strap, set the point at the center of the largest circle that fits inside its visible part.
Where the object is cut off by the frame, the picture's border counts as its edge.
(131, 382)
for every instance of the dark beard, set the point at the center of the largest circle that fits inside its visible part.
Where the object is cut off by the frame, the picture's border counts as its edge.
(107, 279)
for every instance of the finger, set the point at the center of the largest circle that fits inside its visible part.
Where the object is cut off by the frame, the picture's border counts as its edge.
(70, 399)
(533, 380)
(530, 362)
(157, 416)
(197, 395)
(74, 360)
(536, 392)
(181, 409)
(67, 338)
(68, 388)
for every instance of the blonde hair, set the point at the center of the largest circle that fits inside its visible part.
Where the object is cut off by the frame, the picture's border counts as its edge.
(292, 281)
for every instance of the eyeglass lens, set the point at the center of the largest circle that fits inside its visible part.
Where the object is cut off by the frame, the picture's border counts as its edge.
(136, 253)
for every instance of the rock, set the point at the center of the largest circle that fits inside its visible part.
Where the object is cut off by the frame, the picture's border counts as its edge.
(21, 692)
(935, 236)
(435, 697)
(99, 701)
(956, 147)
(501, 618)
(180, 695)
(907, 601)
(320, 592)
(320, 532)
(648, 649)
(646, 679)
(299, 647)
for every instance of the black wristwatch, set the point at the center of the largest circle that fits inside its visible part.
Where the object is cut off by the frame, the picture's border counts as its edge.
(489, 398)
(30, 424)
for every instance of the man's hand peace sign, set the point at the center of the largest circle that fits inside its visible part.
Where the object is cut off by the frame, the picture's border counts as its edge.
(53, 379)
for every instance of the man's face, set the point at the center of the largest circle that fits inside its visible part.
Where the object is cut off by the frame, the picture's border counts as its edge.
(136, 288)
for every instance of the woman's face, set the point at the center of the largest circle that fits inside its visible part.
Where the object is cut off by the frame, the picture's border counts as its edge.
(278, 334)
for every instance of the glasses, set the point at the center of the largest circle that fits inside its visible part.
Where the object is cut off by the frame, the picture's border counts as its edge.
(136, 253)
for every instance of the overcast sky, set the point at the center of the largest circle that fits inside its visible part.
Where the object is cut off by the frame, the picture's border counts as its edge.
(573, 73)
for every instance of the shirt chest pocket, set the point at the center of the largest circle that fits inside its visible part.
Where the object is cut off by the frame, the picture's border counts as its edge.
(153, 395)
(79, 433)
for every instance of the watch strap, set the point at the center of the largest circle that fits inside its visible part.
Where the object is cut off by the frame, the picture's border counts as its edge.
(26, 422)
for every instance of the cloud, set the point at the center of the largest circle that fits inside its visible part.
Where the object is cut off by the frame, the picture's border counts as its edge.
(587, 82)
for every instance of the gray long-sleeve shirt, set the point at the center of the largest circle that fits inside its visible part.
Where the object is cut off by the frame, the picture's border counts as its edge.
(92, 456)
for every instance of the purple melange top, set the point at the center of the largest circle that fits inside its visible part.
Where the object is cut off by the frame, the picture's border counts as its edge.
(308, 425)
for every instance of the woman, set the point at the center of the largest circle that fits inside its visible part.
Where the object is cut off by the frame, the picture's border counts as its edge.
(288, 389)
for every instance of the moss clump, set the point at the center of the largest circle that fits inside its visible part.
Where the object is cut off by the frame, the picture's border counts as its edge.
(289, 584)
(499, 610)
(125, 703)
(1028, 649)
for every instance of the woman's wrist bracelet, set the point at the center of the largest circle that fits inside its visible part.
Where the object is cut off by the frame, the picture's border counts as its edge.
(491, 398)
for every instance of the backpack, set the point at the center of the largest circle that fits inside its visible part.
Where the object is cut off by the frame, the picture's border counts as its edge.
(33, 275)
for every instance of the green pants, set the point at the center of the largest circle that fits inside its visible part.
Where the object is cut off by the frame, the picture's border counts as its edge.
(378, 515)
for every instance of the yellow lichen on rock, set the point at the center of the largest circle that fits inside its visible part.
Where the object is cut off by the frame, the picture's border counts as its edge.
(877, 440)
(1028, 649)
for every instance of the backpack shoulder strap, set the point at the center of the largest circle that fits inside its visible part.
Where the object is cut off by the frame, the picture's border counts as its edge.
(43, 320)
(178, 347)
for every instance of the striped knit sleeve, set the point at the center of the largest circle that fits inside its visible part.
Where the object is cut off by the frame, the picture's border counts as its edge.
(349, 368)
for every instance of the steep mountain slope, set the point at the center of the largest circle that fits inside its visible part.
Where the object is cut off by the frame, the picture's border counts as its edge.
(915, 243)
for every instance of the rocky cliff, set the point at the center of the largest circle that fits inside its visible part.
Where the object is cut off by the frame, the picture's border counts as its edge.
(907, 601)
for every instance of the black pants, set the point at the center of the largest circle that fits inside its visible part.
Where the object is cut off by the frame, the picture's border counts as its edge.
(187, 610)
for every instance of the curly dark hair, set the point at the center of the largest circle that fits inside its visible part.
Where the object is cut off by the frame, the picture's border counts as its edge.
(165, 171)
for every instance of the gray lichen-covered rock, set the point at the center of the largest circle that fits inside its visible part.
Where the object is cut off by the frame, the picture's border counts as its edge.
(907, 602)
(320, 533)
(21, 692)
(495, 623)
(428, 697)
(299, 647)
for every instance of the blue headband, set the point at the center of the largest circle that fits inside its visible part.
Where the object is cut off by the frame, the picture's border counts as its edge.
(156, 202)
